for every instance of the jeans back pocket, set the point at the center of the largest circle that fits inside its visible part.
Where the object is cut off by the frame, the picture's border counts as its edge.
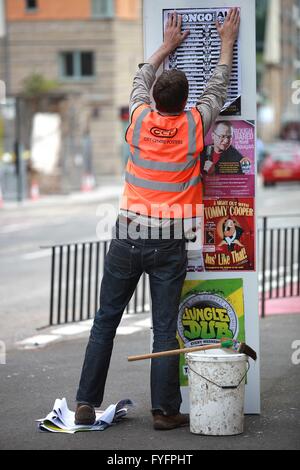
(119, 256)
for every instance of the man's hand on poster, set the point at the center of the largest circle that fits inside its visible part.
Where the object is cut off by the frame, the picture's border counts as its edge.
(173, 35)
(229, 30)
(172, 39)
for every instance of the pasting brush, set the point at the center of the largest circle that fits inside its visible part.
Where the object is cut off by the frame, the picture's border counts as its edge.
(225, 343)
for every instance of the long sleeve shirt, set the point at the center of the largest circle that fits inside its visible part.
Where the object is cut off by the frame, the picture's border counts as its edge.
(209, 103)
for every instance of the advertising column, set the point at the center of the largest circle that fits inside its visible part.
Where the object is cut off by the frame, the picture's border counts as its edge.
(220, 294)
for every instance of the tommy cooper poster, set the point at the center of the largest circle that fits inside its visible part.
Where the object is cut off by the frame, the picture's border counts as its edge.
(229, 235)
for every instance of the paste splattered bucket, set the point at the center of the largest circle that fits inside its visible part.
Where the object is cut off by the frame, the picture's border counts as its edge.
(217, 390)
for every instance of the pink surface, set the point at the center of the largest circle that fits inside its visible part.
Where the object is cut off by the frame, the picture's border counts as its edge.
(280, 306)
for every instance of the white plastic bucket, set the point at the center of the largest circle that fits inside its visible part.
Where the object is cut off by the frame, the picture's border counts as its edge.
(217, 390)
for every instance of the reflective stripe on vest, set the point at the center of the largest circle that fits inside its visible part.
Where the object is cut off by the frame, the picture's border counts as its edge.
(137, 132)
(159, 186)
(165, 166)
(192, 135)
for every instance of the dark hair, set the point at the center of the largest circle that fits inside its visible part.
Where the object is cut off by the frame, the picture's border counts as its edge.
(171, 91)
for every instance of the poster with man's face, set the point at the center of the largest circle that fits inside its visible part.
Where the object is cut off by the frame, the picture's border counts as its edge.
(228, 160)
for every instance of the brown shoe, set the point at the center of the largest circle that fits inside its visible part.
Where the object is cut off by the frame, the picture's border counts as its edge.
(85, 415)
(164, 423)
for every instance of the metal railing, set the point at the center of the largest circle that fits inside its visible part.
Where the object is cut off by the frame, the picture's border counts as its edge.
(278, 258)
(77, 269)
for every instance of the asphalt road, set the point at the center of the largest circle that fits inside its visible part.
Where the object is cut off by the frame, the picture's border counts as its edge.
(282, 200)
(25, 268)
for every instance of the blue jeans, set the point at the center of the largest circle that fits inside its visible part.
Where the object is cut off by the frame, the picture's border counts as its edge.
(165, 261)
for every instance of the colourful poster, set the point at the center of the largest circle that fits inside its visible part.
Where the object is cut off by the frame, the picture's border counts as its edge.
(228, 160)
(229, 231)
(209, 310)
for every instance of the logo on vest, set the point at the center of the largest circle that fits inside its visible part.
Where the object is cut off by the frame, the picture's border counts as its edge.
(167, 133)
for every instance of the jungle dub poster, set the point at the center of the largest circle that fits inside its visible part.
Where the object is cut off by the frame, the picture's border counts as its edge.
(209, 310)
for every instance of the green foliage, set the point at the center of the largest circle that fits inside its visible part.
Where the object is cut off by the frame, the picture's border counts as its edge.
(36, 85)
(259, 58)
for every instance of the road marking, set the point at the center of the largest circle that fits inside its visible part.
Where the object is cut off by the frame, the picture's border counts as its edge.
(60, 220)
(14, 228)
(274, 272)
(144, 323)
(43, 253)
(70, 330)
(37, 341)
(288, 280)
(88, 323)
(58, 334)
(36, 255)
(128, 330)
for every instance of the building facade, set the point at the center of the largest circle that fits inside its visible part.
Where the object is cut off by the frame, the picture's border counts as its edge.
(281, 67)
(91, 48)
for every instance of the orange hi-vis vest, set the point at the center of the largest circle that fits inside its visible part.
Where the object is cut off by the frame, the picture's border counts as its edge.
(163, 175)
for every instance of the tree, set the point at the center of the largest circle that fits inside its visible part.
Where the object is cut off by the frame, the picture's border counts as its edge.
(36, 84)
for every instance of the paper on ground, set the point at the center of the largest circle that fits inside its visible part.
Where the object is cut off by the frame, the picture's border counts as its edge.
(61, 419)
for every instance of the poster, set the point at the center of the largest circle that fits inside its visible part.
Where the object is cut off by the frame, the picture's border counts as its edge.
(209, 310)
(45, 142)
(229, 234)
(194, 245)
(228, 160)
(199, 54)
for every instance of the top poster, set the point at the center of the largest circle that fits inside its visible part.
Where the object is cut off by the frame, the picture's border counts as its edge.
(199, 54)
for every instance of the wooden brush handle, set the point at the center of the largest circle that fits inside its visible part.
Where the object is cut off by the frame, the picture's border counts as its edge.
(173, 352)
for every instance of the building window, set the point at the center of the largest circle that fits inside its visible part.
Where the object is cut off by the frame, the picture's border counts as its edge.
(77, 65)
(102, 8)
(31, 5)
(87, 64)
(68, 69)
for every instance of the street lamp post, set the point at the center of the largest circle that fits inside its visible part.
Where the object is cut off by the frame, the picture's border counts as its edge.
(18, 152)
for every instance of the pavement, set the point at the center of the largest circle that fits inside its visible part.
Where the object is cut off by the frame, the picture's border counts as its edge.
(107, 188)
(33, 378)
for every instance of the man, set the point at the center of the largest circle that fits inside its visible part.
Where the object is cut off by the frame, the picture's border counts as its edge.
(222, 157)
(162, 179)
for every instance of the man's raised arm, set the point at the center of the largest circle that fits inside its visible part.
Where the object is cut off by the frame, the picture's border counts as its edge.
(214, 96)
(145, 76)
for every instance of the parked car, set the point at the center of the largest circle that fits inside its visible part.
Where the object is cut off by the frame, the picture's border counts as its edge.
(281, 164)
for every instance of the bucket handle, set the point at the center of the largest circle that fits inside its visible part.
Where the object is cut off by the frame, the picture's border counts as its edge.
(224, 387)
